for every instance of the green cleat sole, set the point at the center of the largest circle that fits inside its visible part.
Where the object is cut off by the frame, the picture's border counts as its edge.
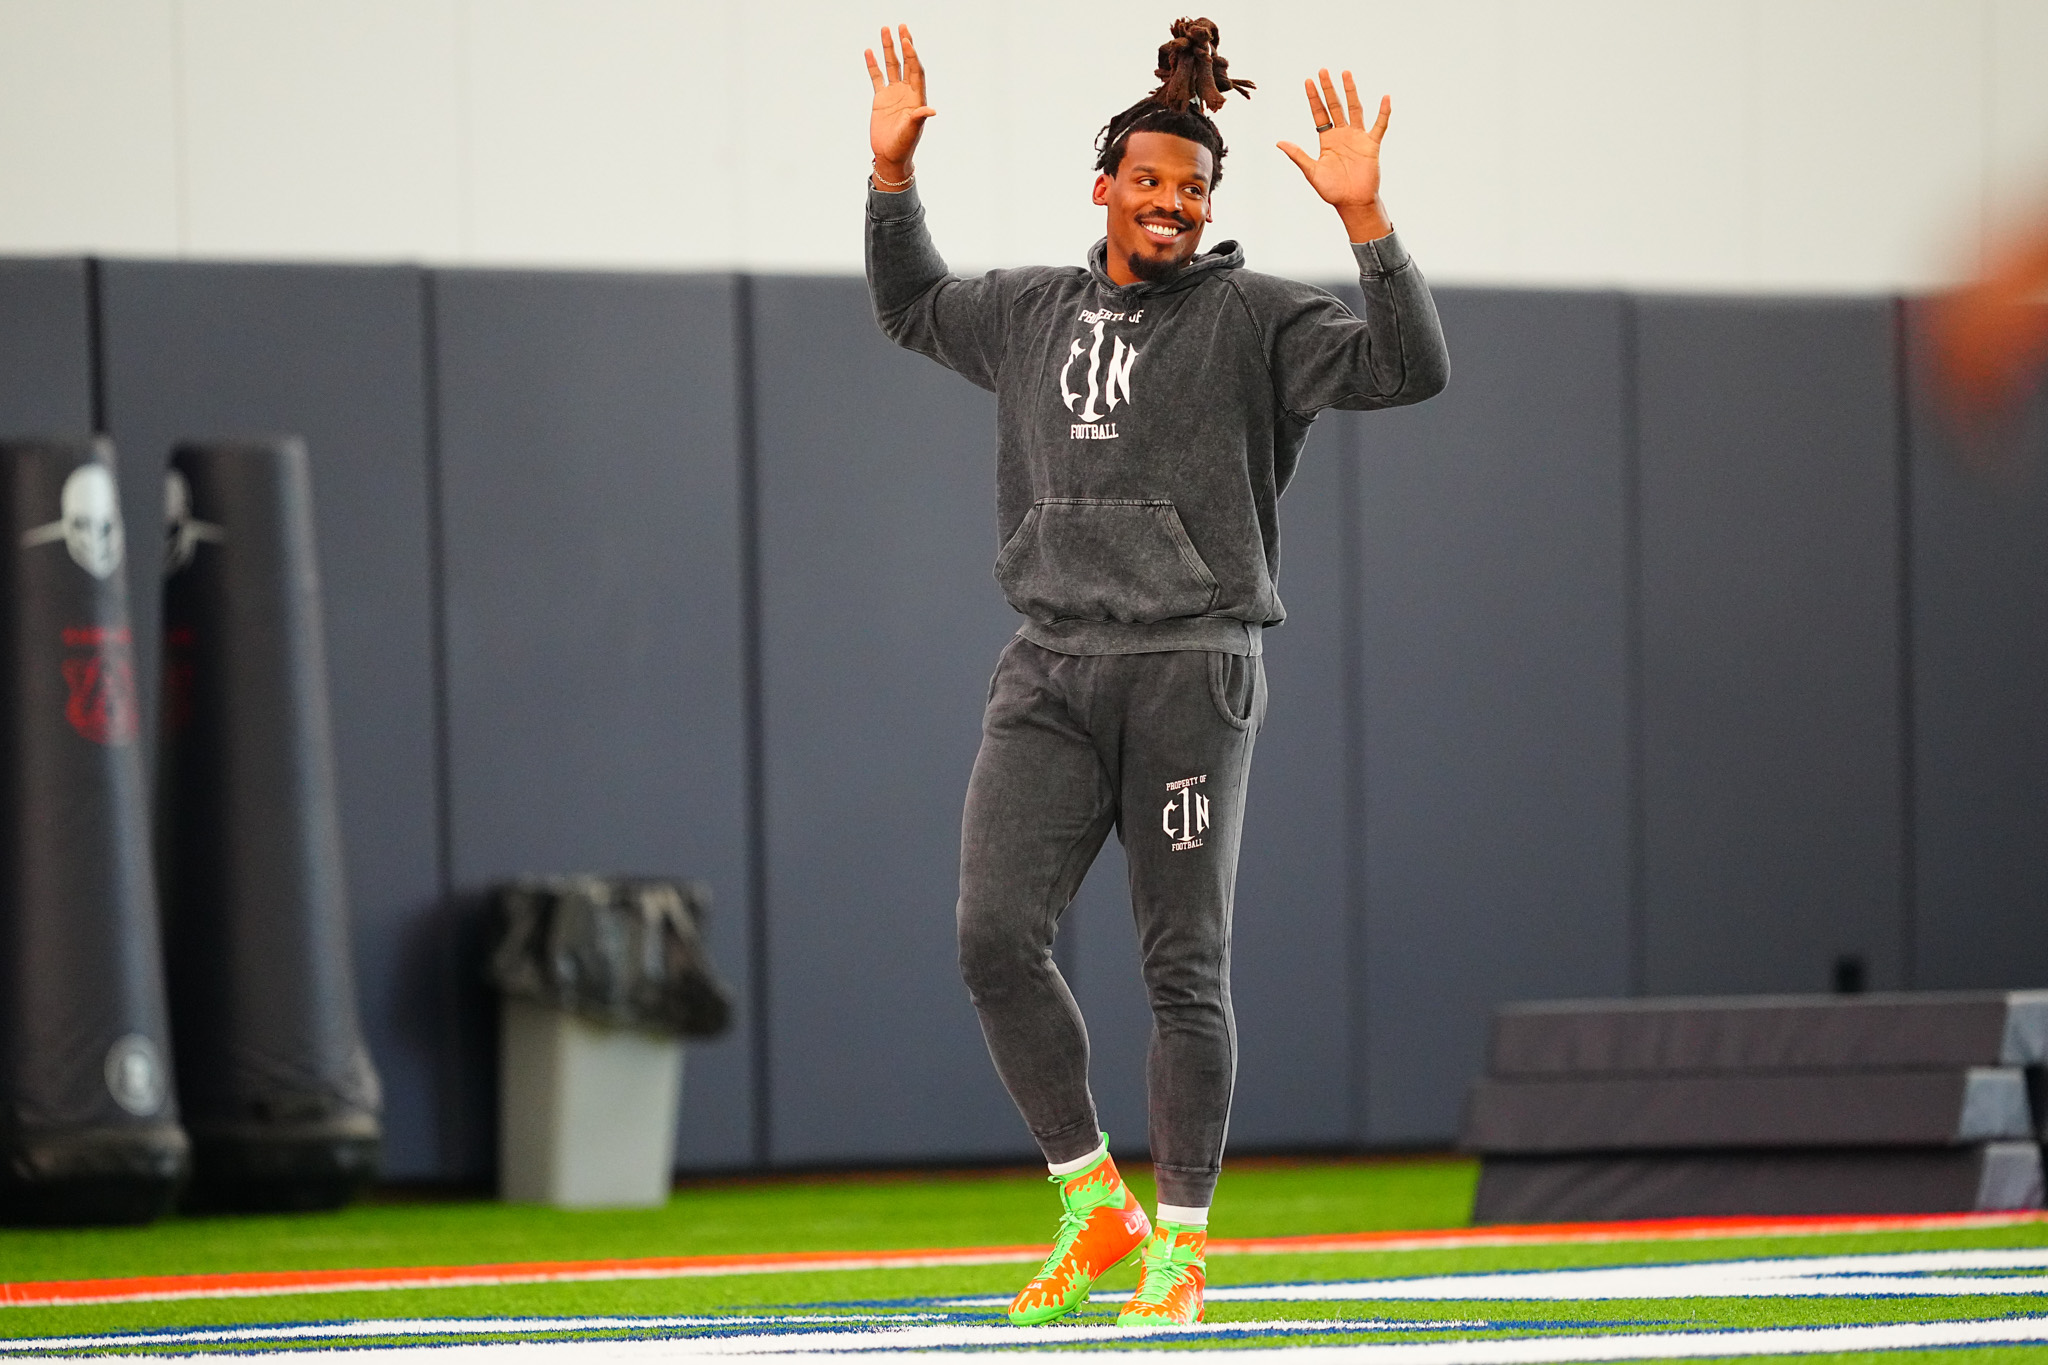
(1038, 1317)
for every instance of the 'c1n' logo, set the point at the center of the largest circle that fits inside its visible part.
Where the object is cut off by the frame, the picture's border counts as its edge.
(1106, 389)
(1186, 814)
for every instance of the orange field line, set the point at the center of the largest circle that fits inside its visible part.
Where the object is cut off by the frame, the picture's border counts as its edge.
(243, 1284)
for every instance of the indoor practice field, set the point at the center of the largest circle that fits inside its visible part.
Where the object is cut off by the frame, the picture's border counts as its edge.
(1381, 1265)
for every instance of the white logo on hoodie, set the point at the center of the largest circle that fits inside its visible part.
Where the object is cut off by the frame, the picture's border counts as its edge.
(1109, 389)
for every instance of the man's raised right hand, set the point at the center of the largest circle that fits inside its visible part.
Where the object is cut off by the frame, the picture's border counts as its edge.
(897, 120)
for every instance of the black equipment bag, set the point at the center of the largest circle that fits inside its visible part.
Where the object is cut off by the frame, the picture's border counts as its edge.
(279, 1092)
(627, 952)
(88, 1122)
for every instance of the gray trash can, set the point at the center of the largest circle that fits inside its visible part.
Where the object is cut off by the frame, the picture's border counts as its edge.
(601, 978)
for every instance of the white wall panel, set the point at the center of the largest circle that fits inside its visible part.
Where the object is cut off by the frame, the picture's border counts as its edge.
(1021, 161)
(604, 133)
(1442, 66)
(989, 166)
(321, 130)
(1627, 138)
(1749, 145)
(1867, 151)
(2018, 43)
(88, 116)
(801, 138)
(1043, 113)
(1446, 163)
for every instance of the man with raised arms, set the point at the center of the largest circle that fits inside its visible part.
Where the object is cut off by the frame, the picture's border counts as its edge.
(1151, 407)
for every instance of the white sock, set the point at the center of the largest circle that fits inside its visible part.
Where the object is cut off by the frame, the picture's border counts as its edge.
(1079, 1162)
(1186, 1217)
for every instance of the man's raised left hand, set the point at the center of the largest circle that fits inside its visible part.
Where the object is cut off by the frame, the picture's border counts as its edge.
(1346, 169)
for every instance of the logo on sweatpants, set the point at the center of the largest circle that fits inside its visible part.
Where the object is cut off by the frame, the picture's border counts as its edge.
(1186, 814)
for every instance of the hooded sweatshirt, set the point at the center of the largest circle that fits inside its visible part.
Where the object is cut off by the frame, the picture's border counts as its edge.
(1147, 431)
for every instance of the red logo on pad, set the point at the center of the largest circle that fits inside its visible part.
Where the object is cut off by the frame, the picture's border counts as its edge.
(101, 707)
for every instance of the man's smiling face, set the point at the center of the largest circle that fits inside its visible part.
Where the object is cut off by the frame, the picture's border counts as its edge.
(1158, 203)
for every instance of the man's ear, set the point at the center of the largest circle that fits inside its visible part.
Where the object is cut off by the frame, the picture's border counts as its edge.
(1101, 187)
(1208, 208)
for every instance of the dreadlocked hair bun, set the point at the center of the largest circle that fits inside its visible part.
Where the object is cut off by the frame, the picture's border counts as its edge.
(1190, 68)
(1193, 79)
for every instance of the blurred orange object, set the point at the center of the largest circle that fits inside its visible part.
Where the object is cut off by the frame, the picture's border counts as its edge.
(1990, 337)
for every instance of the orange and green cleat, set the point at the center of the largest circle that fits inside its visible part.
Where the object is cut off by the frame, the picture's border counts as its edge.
(1102, 1227)
(1170, 1280)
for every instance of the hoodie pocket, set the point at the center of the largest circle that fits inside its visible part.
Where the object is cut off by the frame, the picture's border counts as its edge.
(1097, 559)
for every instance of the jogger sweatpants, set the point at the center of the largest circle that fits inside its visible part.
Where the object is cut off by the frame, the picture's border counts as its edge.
(1158, 747)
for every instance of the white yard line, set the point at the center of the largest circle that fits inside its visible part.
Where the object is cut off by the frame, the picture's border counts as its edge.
(815, 1336)
(948, 1344)
(1931, 1273)
(359, 1328)
(741, 1335)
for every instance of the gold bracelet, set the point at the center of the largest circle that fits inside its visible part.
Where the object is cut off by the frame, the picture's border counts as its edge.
(876, 179)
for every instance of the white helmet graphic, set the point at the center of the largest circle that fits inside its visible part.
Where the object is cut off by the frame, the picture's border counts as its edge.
(89, 523)
(182, 531)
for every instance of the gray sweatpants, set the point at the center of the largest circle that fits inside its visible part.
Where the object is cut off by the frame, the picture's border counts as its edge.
(1158, 747)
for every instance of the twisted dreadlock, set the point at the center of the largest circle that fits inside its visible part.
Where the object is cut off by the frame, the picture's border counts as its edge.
(1192, 75)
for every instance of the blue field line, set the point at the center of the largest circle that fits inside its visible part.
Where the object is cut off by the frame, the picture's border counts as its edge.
(1249, 1343)
(1106, 1313)
(351, 1335)
(1884, 1275)
(940, 1326)
(342, 1329)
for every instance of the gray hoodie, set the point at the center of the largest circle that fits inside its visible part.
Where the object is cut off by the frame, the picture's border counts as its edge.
(1145, 432)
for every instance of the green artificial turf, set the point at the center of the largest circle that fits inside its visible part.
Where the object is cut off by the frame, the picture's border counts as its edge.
(1259, 1198)
(869, 1291)
(729, 1217)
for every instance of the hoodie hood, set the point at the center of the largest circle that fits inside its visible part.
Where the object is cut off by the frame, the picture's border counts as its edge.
(1225, 255)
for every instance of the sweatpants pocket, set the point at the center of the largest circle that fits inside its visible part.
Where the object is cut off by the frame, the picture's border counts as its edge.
(1097, 559)
(1236, 685)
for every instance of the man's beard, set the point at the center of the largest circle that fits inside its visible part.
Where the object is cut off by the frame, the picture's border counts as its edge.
(1152, 269)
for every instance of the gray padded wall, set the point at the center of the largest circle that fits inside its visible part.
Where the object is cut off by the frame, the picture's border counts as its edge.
(1979, 539)
(1292, 929)
(336, 355)
(1455, 834)
(1289, 972)
(1771, 723)
(589, 439)
(46, 359)
(880, 625)
(1493, 634)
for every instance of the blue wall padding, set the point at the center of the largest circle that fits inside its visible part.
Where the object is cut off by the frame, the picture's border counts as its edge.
(1596, 679)
(880, 625)
(46, 372)
(1493, 632)
(1978, 567)
(1771, 563)
(590, 493)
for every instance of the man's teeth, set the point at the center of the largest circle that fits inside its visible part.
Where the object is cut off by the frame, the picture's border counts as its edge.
(1161, 229)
